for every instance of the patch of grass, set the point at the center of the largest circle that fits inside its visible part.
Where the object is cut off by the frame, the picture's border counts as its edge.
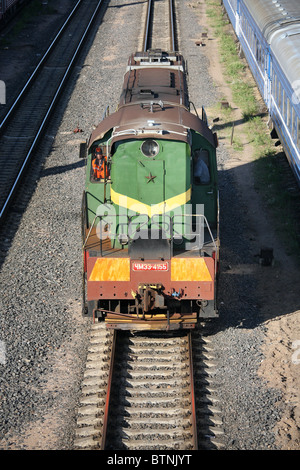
(259, 137)
(237, 144)
(243, 94)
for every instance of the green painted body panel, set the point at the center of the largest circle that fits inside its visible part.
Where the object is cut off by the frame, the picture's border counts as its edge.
(206, 194)
(131, 171)
(150, 179)
(154, 180)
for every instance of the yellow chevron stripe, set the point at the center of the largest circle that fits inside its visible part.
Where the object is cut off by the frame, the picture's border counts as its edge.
(154, 209)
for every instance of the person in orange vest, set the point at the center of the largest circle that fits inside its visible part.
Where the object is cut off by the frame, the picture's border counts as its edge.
(99, 164)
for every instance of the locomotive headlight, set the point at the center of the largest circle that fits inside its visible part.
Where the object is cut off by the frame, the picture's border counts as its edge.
(150, 148)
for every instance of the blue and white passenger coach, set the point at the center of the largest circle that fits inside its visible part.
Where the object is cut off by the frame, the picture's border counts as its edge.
(269, 34)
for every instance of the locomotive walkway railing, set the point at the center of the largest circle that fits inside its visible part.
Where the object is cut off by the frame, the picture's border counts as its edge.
(174, 232)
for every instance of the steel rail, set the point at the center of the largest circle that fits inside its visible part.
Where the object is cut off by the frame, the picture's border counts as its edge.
(108, 392)
(147, 25)
(172, 26)
(192, 391)
(149, 19)
(48, 113)
(190, 407)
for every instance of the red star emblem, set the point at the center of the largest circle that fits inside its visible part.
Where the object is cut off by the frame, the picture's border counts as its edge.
(150, 178)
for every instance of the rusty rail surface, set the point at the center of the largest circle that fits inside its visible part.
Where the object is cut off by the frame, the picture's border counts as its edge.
(192, 392)
(108, 392)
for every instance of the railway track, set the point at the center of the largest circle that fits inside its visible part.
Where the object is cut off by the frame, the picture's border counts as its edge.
(150, 394)
(160, 30)
(24, 124)
(152, 400)
(150, 391)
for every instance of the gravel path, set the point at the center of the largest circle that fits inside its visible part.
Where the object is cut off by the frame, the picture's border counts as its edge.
(43, 336)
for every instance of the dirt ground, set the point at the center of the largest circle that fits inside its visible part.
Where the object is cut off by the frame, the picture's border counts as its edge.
(279, 286)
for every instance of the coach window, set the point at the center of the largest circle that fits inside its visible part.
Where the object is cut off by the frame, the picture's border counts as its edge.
(256, 47)
(288, 113)
(298, 132)
(293, 124)
(275, 92)
(279, 97)
(284, 105)
(201, 167)
(257, 50)
(263, 60)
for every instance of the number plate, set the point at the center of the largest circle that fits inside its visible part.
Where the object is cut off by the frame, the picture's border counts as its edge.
(140, 266)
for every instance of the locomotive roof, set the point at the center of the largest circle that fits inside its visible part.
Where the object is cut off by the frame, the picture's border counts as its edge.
(154, 103)
(166, 121)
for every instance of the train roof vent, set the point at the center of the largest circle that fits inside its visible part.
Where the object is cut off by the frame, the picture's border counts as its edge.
(162, 78)
(146, 91)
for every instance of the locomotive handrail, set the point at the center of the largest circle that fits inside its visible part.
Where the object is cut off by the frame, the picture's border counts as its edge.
(195, 109)
(105, 113)
(158, 223)
(89, 232)
(138, 103)
(145, 223)
(206, 223)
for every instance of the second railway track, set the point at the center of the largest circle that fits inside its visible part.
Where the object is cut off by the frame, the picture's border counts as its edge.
(159, 32)
(23, 126)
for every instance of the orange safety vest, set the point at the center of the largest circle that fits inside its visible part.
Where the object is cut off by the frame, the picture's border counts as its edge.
(98, 168)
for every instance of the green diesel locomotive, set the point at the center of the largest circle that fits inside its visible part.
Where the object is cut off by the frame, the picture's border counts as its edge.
(150, 214)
